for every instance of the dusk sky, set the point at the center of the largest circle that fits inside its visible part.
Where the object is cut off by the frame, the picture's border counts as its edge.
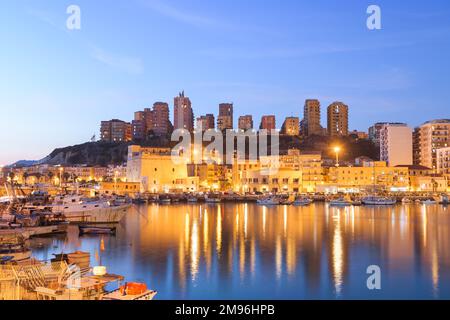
(266, 57)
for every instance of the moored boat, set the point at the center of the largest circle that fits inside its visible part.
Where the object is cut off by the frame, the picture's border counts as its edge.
(80, 210)
(340, 202)
(378, 201)
(302, 201)
(268, 201)
(84, 229)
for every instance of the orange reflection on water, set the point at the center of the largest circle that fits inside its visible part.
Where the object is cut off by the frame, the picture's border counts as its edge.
(288, 241)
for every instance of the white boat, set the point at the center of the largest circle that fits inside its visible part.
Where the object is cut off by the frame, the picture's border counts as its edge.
(302, 201)
(165, 201)
(378, 201)
(192, 199)
(428, 201)
(340, 202)
(444, 199)
(79, 210)
(268, 201)
(212, 200)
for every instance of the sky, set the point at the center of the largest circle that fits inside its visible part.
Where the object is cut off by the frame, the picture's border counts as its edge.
(266, 57)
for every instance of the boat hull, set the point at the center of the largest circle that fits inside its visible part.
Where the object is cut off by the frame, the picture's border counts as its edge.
(112, 214)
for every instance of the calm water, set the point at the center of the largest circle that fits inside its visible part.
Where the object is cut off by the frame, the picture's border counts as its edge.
(245, 251)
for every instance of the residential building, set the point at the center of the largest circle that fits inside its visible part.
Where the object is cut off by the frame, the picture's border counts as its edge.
(268, 123)
(206, 122)
(360, 135)
(396, 144)
(161, 124)
(443, 160)
(374, 131)
(245, 122)
(183, 114)
(337, 116)
(430, 137)
(115, 131)
(225, 118)
(311, 119)
(291, 126)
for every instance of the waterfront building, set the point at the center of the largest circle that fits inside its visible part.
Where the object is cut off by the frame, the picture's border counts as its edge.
(295, 172)
(337, 116)
(430, 137)
(268, 123)
(206, 122)
(423, 179)
(225, 118)
(120, 188)
(245, 122)
(396, 144)
(311, 118)
(115, 131)
(291, 126)
(155, 170)
(358, 179)
(183, 114)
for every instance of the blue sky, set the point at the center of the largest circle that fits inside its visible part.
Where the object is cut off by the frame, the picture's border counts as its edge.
(267, 57)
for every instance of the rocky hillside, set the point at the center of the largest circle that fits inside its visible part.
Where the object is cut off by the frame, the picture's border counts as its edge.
(103, 153)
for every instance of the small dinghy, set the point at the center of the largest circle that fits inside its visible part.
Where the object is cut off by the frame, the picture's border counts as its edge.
(97, 230)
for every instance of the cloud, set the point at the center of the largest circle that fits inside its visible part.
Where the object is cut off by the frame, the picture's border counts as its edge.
(294, 52)
(130, 65)
(202, 21)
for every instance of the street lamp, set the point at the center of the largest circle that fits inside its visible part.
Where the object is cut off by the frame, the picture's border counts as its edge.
(337, 150)
(60, 176)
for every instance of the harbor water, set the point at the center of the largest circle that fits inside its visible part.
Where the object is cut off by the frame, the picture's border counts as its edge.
(247, 251)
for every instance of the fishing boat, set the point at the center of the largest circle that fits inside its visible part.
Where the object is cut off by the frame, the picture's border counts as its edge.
(268, 201)
(302, 201)
(77, 209)
(378, 201)
(84, 229)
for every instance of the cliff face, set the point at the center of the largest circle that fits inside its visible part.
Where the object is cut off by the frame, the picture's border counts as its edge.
(103, 153)
(92, 154)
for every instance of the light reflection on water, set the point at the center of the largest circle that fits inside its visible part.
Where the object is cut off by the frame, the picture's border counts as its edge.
(234, 251)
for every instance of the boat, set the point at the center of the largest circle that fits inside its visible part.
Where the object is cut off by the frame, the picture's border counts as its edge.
(302, 201)
(192, 199)
(378, 201)
(428, 201)
(407, 200)
(212, 198)
(83, 229)
(13, 248)
(268, 201)
(444, 199)
(77, 209)
(340, 202)
(165, 201)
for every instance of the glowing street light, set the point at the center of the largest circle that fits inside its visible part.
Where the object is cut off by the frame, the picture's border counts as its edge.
(337, 150)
